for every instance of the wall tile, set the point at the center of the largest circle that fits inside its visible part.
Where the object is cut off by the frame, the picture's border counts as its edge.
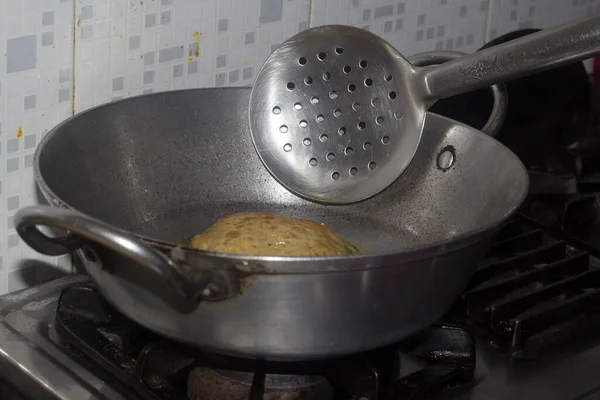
(507, 16)
(36, 38)
(412, 26)
(126, 48)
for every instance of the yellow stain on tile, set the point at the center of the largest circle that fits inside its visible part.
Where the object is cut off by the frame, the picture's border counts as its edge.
(20, 131)
(197, 36)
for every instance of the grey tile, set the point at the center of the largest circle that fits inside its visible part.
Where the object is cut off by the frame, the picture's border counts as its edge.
(165, 17)
(47, 39)
(87, 12)
(531, 11)
(400, 8)
(28, 160)
(12, 165)
(421, 20)
(387, 26)
(366, 14)
(441, 30)
(575, 2)
(220, 79)
(21, 53)
(64, 75)
(443, 2)
(384, 11)
(30, 141)
(148, 77)
(459, 42)
(20, 278)
(135, 42)
(483, 6)
(150, 20)
(47, 18)
(439, 45)
(148, 58)
(177, 71)
(148, 91)
(355, 3)
(223, 25)
(166, 2)
(526, 24)
(463, 11)
(399, 24)
(513, 15)
(170, 54)
(515, 3)
(192, 68)
(115, 98)
(10, 223)
(274, 47)
(249, 38)
(13, 241)
(64, 95)
(117, 84)
(87, 32)
(470, 38)
(221, 61)
(493, 33)
(234, 76)
(29, 102)
(12, 145)
(12, 203)
(430, 33)
(419, 35)
(270, 11)
(449, 44)
(302, 26)
(248, 73)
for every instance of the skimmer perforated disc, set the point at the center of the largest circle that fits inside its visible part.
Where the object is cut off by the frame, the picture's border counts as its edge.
(332, 115)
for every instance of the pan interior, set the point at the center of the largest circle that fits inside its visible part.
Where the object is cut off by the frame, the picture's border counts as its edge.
(169, 165)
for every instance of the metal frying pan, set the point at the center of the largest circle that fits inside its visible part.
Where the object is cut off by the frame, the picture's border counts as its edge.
(145, 173)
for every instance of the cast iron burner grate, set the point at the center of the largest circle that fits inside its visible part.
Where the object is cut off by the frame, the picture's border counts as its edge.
(440, 358)
(533, 292)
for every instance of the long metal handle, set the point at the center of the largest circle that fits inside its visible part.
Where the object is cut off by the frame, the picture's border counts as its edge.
(533, 53)
(500, 108)
(83, 230)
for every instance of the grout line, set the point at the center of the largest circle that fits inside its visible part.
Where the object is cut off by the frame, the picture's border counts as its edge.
(488, 19)
(74, 57)
(310, 12)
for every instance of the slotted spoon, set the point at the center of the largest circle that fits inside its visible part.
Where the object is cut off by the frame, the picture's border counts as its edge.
(336, 113)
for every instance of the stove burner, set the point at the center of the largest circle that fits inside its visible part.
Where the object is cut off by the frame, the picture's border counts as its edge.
(439, 358)
(533, 292)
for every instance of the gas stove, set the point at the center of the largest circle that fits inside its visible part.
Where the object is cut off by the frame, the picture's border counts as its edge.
(525, 328)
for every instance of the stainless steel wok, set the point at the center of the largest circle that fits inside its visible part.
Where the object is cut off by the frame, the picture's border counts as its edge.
(146, 173)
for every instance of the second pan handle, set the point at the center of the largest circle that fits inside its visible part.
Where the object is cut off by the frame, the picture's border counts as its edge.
(193, 282)
(549, 48)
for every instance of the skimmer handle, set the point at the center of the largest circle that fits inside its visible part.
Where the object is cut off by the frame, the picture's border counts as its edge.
(549, 48)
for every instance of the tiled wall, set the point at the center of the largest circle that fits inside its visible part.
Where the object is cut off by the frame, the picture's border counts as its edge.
(64, 56)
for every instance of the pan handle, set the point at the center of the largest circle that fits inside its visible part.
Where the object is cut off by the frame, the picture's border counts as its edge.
(83, 230)
(500, 109)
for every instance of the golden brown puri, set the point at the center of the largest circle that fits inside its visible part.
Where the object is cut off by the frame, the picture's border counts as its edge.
(265, 234)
